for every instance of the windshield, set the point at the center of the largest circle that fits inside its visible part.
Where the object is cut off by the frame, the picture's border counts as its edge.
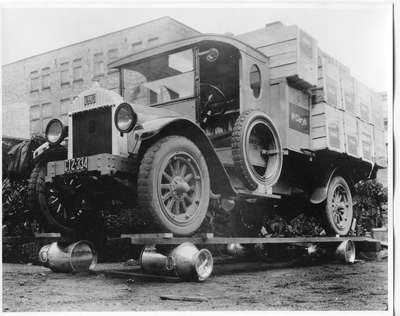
(160, 79)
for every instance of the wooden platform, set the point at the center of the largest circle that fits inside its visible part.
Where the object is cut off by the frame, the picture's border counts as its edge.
(362, 243)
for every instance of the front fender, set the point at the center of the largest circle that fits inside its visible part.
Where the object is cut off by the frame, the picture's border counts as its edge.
(151, 130)
(47, 152)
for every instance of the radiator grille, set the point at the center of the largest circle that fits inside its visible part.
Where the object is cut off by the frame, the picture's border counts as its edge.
(92, 132)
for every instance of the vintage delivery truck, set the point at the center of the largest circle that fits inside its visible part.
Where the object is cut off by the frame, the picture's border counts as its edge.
(212, 117)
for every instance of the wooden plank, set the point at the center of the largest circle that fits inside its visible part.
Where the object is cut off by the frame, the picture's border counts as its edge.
(264, 37)
(279, 48)
(252, 194)
(184, 298)
(283, 59)
(150, 235)
(129, 274)
(283, 71)
(318, 132)
(245, 240)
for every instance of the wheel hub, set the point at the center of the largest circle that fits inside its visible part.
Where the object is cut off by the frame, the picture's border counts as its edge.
(180, 186)
(340, 207)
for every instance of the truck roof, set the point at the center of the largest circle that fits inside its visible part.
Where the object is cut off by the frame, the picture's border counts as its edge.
(187, 42)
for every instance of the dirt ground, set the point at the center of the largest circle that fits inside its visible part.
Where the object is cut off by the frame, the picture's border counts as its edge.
(361, 286)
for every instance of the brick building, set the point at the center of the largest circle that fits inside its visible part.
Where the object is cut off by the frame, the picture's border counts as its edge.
(41, 87)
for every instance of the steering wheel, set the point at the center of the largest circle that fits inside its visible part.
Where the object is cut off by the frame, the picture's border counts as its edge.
(212, 101)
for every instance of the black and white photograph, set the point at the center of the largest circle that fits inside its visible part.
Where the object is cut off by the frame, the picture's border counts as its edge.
(198, 156)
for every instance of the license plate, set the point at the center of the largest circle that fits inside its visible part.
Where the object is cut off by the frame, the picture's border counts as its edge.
(76, 164)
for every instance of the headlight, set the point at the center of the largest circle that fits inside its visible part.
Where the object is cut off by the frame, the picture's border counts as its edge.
(125, 118)
(55, 132)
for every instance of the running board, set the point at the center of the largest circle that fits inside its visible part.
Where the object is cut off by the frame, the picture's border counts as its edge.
(254, 194)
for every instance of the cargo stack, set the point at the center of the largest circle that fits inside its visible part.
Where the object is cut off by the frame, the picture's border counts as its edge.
(361, 114)
(327, 116)
(345, 116)
(293, 54)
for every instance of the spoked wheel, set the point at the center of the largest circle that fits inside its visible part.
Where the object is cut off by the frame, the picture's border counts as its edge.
(338, 215)
(65, 207)
(179, 189)
(256, 148)
(174, 185)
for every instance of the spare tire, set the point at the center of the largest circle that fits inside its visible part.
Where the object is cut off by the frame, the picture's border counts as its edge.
(256, 149)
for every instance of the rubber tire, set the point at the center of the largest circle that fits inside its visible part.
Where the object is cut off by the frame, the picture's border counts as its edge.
(327, 219)
(238, 149)
(93, 228)
(147, 184)
(37, 198)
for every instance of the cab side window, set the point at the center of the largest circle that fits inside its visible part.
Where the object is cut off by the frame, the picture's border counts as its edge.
(255, 80)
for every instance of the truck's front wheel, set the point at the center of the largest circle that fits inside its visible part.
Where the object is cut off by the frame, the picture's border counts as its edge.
(174, 185)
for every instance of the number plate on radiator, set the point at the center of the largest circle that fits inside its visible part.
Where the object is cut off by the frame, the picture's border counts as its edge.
(76, 164)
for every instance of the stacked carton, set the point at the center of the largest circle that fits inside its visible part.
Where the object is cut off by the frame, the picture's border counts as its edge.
(327, 128)
(361, 109)
(293, 54)
(328, 89)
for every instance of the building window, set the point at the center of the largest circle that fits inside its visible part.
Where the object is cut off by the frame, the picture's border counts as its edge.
(34, 81)
(98, 64)
(136, 45)
(35, 112)
(77, 70)
(47, 114)
(36, 127)
(152, 40)
(64, 74)
(46, 110)
(112, 55)
(255, 80)
(46, 78)
(65, 106)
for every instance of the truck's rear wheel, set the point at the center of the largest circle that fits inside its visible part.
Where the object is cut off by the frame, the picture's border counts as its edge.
(256, 149)
(338, 207)
(174, 185)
